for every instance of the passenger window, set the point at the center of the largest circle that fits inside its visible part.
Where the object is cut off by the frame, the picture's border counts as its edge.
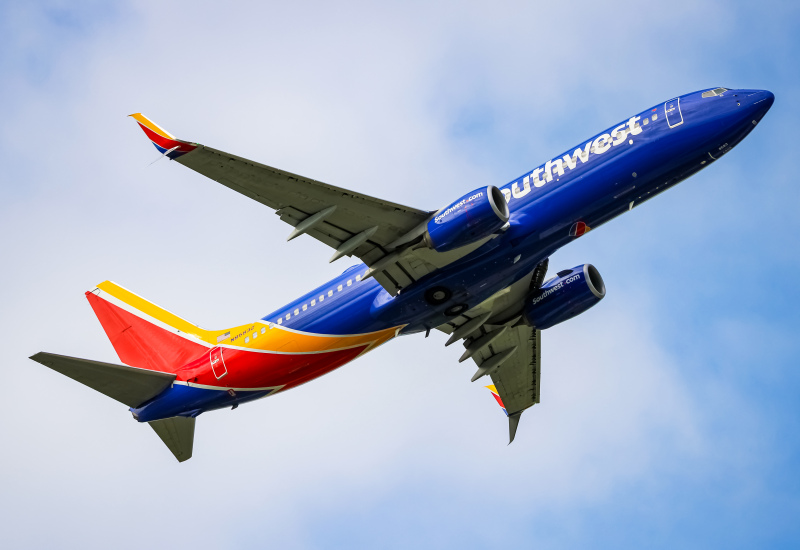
(297, 312)
(330, 292)
(340, 288)
(263, 329)
(288, 316)
(349, 282)
(305, 307)
(246, 339)
(321, 297)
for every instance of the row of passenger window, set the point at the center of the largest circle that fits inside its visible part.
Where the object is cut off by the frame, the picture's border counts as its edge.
(255, 335)
(315, 301)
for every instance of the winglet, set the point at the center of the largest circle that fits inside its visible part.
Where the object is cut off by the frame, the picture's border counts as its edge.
(513, 419)
(513, 422)
(497, 398)
(165, 142)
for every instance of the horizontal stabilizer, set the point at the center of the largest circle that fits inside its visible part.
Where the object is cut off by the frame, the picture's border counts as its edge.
(127, 385)
(177, 433)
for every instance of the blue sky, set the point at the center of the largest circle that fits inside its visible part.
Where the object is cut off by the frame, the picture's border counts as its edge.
(670, 414)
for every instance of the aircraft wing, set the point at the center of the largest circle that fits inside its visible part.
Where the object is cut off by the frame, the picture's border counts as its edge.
(512, 358)
(353, 224)
(503, 347)
(516, 381)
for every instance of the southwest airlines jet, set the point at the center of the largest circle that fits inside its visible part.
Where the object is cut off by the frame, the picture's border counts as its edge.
(474, 269)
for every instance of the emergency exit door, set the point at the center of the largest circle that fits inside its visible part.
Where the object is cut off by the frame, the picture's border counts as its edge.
(672, 110)
(217, 363)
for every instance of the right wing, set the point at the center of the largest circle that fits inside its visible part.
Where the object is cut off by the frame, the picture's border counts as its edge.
(378, 232)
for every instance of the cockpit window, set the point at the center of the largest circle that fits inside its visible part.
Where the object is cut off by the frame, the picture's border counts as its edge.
(714, 92)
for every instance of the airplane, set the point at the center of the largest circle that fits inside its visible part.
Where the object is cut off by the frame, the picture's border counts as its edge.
(474, 269)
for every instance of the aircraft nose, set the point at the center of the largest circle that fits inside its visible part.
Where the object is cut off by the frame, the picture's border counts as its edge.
(763, 95)
(760, 102)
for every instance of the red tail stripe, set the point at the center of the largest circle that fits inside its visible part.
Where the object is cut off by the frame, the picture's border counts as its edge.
(140, 343)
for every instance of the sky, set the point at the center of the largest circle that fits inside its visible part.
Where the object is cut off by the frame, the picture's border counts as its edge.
(670, 412)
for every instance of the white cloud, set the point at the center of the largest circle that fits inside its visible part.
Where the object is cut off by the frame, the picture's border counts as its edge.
(381, 100)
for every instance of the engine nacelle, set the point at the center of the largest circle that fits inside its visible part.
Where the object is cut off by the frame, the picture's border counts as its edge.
(471, 218)
(570, 293)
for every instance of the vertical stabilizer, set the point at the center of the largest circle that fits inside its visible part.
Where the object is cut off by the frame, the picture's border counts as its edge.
(177, 433)
(143, 334)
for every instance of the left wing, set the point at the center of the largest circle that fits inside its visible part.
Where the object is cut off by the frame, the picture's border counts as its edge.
(516, 381)
(511, 356)
(378, 232)
(503, 347)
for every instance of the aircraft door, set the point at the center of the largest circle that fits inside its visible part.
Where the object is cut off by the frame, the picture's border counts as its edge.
(672, 110)
(217, 363)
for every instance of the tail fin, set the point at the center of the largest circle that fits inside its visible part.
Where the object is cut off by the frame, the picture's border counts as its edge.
(153, 343)
(145, 335)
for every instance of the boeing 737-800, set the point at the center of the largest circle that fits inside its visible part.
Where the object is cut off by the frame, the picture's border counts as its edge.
(474, 269)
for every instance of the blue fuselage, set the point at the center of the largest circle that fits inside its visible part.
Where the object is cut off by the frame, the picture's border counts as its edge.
(589, 184)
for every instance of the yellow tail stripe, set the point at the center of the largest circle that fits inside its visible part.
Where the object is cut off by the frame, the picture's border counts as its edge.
(249, 336)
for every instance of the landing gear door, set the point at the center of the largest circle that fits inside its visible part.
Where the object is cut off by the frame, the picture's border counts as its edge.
(672, 110)
(217, 363)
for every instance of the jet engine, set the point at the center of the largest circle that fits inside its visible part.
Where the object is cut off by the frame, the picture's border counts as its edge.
(569, 293)
(471, 218)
